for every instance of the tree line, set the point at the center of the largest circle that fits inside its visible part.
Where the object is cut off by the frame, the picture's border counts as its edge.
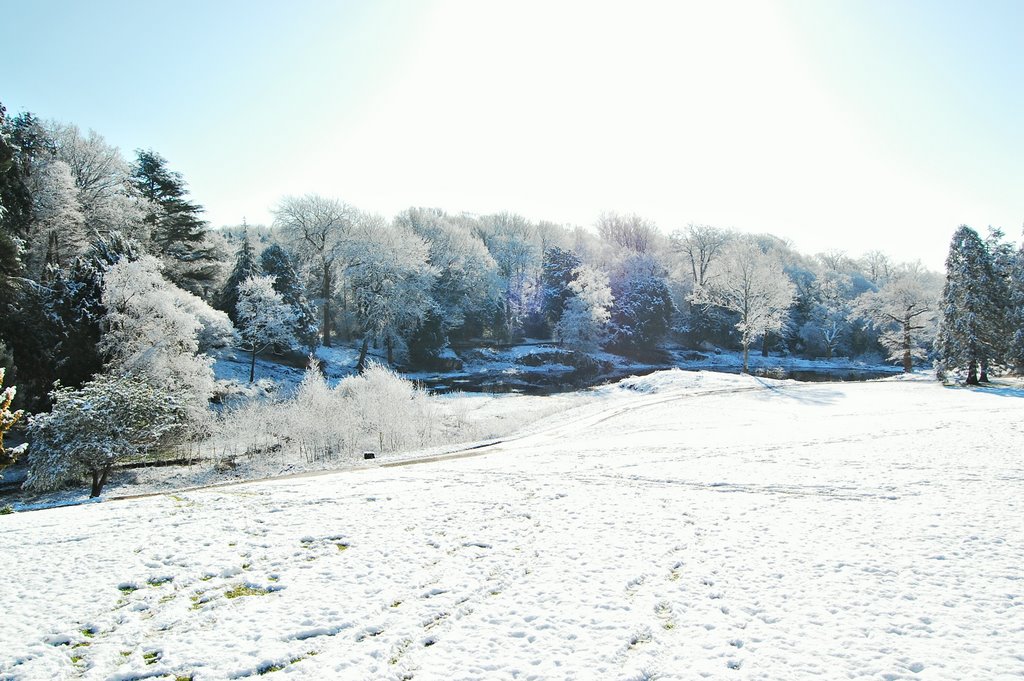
(110, 278)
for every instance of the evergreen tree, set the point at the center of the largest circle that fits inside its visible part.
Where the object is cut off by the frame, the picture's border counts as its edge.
(177, 232)
(641, 315)
(971, 307)
(245, 268)
(53, 329)
(276, 263)
(1016, 314)
(17, 139)
(1003, 259)
(558, 269)
(22, 141)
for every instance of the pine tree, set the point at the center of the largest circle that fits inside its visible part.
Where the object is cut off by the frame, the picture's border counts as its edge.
(22, 141)
(245, 268)
(558, 269)
(177, 232)
(971, 308)
(20, 138)
(276, 263)
(53, 330)
(1016, 315)
(1003, 258)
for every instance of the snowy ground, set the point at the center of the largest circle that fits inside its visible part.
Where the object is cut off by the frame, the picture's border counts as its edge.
(683, 525)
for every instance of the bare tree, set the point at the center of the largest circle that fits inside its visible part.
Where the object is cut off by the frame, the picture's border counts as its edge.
(752, 284)
(701, 244)
(905, 311)
(318, 229)
(631, 231)
(834, 260)
(516, 248)
(99, 170)
(878, 266)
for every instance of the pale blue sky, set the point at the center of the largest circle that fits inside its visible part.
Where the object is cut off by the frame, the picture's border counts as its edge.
(848, 125)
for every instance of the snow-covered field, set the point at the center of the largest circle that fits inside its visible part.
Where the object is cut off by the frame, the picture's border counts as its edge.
(682, 525)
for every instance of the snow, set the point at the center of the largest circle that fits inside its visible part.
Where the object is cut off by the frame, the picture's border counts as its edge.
(680, 525)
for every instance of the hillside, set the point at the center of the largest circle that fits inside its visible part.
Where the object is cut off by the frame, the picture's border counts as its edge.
(680, 525)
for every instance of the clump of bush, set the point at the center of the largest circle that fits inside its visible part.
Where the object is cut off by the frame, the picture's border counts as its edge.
(377, 410)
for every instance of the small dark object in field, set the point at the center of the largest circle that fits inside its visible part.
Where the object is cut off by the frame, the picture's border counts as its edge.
(368, 455)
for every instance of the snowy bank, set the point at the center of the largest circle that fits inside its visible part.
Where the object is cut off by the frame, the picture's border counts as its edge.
(676, 526)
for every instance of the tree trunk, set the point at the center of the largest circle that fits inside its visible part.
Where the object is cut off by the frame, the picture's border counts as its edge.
(252, 364)
(325, 291)
(361, 365)
(746, 350)
(984, 371)
(99, 479)
(972, 373)
(391, 350)
(764, 344)
(908, 363)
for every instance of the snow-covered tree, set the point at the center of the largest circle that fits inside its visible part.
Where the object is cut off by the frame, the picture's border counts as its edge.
(700, 245)
(149, 333)
(904, 311)
(110, 419)
(98, 168)
(643, 308)
(558, 269)
(246, 266)
(1016, 316)
(969, 331)
(583, 324)
(177, 230)
(631, 232)
(58, 232)
(753, 285)
(392, 280)
(514, 244)
(101, 177)
(264, 319)
(467, 280)
(827, 307)
(1008, 321)
(7, 419)
(276, 263)
(319, 230)
(878, 266)
(390, 408)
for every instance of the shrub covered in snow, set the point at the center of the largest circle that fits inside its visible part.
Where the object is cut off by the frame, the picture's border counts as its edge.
(7, 419)
(377, 410)
(110, 419)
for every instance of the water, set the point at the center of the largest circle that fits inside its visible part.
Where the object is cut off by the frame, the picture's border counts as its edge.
(546, 383)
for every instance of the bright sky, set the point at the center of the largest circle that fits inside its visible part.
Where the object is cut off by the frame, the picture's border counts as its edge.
(839, 125)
